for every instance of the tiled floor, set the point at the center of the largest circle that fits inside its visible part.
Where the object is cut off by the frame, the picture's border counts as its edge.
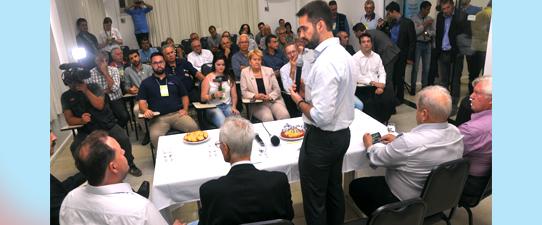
(404, 120)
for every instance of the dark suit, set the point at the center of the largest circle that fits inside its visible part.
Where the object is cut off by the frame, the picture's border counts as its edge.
(458, 25)
(406, 41)
(246, 195)
(388, 51)
(59, 190)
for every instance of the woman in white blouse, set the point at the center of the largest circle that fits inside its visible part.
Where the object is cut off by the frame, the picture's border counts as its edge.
(225, 99)
(109, 37)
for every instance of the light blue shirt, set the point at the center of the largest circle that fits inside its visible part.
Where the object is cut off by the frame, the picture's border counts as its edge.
(307, 57)
(146, 56)
(330, 87)
(370, 23)
(237, 61)
(139, 18)
(446, 46)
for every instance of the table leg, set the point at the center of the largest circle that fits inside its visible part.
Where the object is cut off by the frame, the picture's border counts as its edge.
(349, 177)
(133, 117)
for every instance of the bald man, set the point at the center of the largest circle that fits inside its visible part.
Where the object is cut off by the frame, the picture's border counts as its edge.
(343, 39)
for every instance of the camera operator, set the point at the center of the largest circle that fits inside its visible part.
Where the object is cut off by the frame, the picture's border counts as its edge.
(85, 104)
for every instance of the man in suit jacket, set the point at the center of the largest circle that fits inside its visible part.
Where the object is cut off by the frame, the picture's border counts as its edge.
(450, 24)
(245, 194)
(403, 34)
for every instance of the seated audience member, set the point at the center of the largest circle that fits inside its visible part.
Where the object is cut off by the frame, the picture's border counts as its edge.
(377, 99)
(194, 37)
(59, 190)
(281, 38)
(281, 24)
(343, 37)
(225, 98)
(106, 199)
(214, 39)
(134, 75)
(411, 156)
(245, 194)
(119, 63)
(245, 29)
(84, 104)
(109, 37)
(288, 72)
(146, 51)
(178, 50)
(273, 57)
(259, 35)
(266, 31)
(87, 41)
(239, 60)
(166, 95)
(107, 77)
(228, 49)
(290, 35)
(182, 69)
(259, 82)
(478, 136)
(198, 57)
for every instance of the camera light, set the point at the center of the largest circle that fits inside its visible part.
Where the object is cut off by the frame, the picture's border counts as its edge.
(78, 53)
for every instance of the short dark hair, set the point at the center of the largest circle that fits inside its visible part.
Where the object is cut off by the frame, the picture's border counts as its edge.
(365, 35)
(132, 52)
(213, 27)
(332, 3)
(93, 156)
(260, 23)
(443, 2)
(193, 34)
(107, 20)
(425, 4)
(280, 20)
(144, 39)
(157, 54)
(359, 27)
(316, 11)
(268, 38)
(393, 6)
(80, 20)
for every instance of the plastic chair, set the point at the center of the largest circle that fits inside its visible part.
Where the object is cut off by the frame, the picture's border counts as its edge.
(410, 212)
(186, 46)
(125, 52)
(267, 222)
(206, 69)
(204, 42)
(443, 189)
(468, 202)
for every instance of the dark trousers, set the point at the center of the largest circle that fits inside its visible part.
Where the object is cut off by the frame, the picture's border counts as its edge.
(399, 76)
(433, 68)
(389, 71)
(464, 113)
(451, 68)
(376, 106)
(320, 169)
(119, 110)
(369, 193)
(117, 133)
(474, 186)
(475, 64)
(140, 36)
(194, 95)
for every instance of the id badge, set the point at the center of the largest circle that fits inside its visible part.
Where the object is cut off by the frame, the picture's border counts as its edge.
(163, 91)
(334, 25)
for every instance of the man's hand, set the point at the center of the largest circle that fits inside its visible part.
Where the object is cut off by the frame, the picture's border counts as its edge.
(378, 85)
(102, 67)
(183, 112)
(409, 62)
(292, 64)
(243, 67)
(301, 89)
(148, 114)
(379, 91)
(107, 91)
(380, 22)
(428, 22)
(134, 90)
(234, 111)
(265, 97)
(300, 50)
(177, 222)
(277, 73)
(227, 51)
(81, 87)
(387, 138)
(367, 140)
(85, 118)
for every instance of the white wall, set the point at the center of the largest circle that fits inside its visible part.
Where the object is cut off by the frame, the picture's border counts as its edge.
(278, 9)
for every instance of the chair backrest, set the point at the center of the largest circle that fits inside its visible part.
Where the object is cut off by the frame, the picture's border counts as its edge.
(163, 43)
(473, 201)
(159, 49)
(186, 46)
(206, 69)
(125, 52)
(234, 38)
(268, 222)
(204, 42)
(405, 212)
(444, 185)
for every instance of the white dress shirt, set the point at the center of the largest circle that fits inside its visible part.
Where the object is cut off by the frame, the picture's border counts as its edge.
(109, 204)
(411, 156)
(330, 87)
(198, 60)
(369, 68)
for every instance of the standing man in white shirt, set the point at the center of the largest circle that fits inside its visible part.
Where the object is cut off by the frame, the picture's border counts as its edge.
(106, 199)
(198, 57)
(328, 111)
(370, 19)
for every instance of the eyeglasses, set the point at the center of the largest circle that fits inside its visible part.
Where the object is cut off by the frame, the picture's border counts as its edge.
(243, 42)
(291, 52)
(217, 144)
(226, 36)
(281, 33)
(158, 63)
(369, 7)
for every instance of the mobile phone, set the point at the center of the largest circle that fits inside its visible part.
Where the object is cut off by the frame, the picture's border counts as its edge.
(252, 100)
(376, 136)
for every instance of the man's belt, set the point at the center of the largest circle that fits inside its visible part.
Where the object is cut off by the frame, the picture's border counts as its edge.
(424, 42)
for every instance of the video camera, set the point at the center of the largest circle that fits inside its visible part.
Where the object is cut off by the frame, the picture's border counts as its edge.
(74, 72)
(137, 2)
(220, 79)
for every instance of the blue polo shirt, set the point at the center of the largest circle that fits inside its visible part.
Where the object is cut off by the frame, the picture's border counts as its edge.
(182, 71)
(146, 56)
(139, 19)
(150, 91)
(275, 61)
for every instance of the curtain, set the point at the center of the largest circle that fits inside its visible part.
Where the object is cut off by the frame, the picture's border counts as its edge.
(57, 87)
(179, 18)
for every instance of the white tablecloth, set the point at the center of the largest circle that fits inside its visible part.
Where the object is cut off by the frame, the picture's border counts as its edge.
(178, 181)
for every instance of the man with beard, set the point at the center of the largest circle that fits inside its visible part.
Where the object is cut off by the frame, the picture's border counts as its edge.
(166, 95)
(328, 111)
(133, 77)
(183, 70)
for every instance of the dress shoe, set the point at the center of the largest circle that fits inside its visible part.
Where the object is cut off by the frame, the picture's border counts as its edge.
(412, 92)
(144, 189)
(146, 140)
(398, 102)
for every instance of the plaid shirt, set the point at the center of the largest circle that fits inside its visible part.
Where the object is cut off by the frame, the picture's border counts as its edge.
(98, 78)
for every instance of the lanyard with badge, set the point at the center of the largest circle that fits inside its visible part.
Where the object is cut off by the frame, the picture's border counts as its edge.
(93, 46)
(110, 35)
(146, 55)
(163, 89)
